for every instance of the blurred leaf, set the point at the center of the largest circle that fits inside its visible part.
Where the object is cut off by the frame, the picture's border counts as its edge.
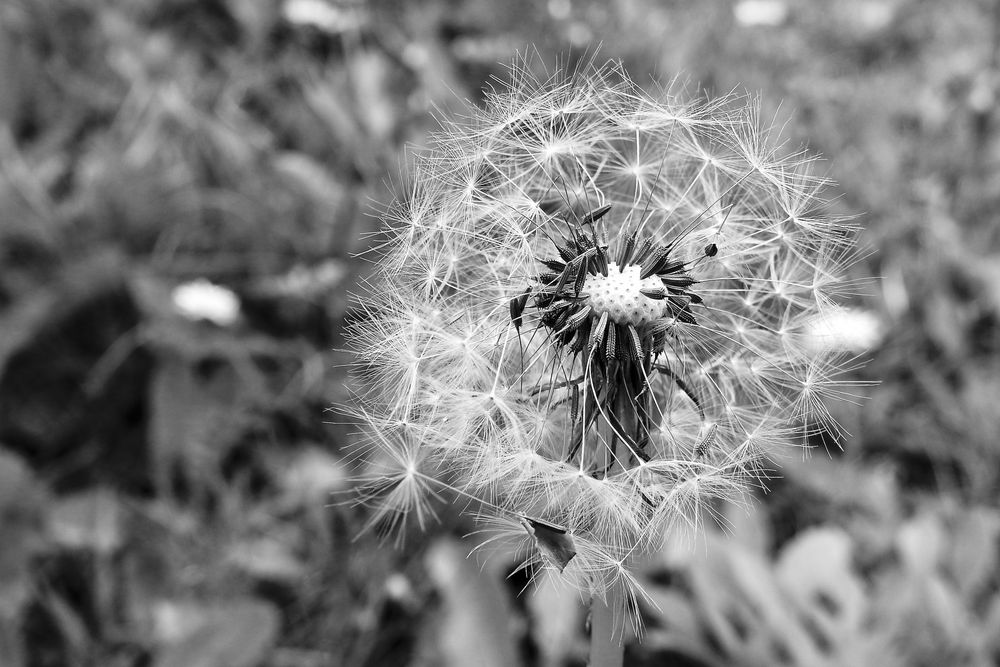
(311, 476)
(268, 558)
(866, 495)
(371, 76)
(747, 526)
(973, 558)
(556, 618)
(734, 608)
(17, 64)
(91, 520)
(257, 19)
(239, 633)
(323, 96)
(921, 543)
(991, 625)
(475, 628)
(72, 630)
(27, 177)
(725, 605)
(47, 306)
(928, 621)
(957, 541)
(21, 501)
(199, 395)
(815, 569)
(310, 177)
(12, 653)
(294, 657)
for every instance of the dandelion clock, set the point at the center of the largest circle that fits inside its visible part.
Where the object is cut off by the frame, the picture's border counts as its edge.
(591, 320)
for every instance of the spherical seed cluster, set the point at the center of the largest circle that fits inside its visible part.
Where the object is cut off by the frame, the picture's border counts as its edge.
(590, 412)
(619, 295)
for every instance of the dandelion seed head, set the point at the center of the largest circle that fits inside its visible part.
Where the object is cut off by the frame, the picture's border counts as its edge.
(596, 311)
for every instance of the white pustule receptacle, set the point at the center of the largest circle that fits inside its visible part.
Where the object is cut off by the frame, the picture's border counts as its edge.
(619, 295)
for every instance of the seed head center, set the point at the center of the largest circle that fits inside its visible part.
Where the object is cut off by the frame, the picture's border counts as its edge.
(618, 294)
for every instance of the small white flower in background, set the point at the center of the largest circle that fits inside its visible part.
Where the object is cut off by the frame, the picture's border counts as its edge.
(322, 15)
(770, 13)
(592, 316)
(847, 329)
(203, 300)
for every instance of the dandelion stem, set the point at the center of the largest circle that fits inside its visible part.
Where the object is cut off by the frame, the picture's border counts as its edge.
(607, 646)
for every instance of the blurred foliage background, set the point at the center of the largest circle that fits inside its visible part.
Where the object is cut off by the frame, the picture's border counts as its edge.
(184, 188)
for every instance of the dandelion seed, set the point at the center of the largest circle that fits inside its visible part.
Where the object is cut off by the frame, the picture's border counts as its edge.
(594, 315)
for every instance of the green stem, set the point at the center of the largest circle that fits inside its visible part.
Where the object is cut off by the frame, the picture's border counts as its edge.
(607, 646)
